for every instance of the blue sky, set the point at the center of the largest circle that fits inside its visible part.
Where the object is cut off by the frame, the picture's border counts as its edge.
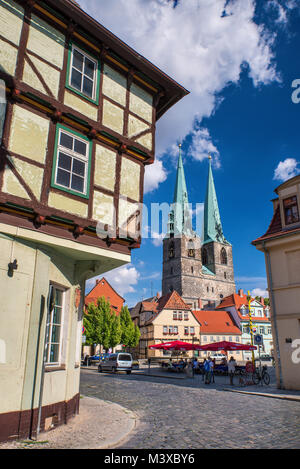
(239, 64)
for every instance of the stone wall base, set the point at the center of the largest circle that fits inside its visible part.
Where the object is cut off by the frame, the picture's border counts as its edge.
(23, 424)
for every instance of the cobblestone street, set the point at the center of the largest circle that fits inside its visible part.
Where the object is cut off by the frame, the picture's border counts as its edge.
(183, 414)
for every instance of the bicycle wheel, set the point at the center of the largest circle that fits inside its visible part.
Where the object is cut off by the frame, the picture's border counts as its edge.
(256, 377)
(266, 378)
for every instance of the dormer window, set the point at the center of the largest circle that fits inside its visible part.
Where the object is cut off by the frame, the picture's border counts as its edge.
(291, 210)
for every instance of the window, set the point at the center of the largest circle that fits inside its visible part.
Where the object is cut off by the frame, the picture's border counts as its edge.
(165, 329)
(191, 248)
(71, 167)
(174, 314)
(186, 316)
(175, 329)
(83, 73)
(261, 330)
(204, 338)
(237, 339)
(170, 329)
(180, 315)
(291, 211)
(186, 331)
(223, 256)
(230, 339)
(192, 330)
(171, 250)
(54, 326)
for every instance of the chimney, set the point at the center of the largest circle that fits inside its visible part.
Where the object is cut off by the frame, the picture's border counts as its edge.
(275, 204)
(97, 281)
(241, 293)
(199, 303)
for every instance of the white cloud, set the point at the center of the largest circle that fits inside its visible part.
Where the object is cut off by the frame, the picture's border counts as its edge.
(157, 238)
(123, 279)
(155, 174)
(286, 169)
(260, 292)
(201, 48)
(202, 146)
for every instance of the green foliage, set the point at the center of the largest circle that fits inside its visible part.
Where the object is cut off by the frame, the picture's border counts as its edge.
(104, 327)
(101, 326)
(267, 301)
(130, 333)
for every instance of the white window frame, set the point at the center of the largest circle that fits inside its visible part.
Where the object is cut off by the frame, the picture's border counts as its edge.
(74, 155)
(95, 77)
(50, 324)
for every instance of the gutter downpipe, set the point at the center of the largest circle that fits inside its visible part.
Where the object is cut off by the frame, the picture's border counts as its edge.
(267, 254)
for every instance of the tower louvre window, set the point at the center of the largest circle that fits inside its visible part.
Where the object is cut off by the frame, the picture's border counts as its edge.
(191, 248)
(171, 250)
(204, 257)
(223, 256)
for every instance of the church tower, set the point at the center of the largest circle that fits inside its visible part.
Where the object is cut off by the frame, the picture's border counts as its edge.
(202, 273)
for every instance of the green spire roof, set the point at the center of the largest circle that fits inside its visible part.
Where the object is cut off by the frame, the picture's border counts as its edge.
(212, 229)
(180, 221)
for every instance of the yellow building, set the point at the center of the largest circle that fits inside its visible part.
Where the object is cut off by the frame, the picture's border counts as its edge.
(77, 127)
(164, 319)
(281, 246)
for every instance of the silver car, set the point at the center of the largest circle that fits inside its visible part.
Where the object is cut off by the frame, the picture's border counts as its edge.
(116, 362)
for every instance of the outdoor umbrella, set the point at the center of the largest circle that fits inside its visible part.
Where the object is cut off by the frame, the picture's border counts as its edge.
(224, 345)
(173, 345)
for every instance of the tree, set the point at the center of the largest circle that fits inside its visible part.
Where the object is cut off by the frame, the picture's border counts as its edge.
(267, 301)
(130, 335)
(101, 325)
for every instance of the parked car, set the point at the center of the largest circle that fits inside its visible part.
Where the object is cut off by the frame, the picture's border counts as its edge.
(116, 362)
(217, 356)
(264, 357)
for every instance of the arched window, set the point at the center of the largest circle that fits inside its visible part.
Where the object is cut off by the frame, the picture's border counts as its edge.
(223, 256)
(171, 250)
(204, 257)
(191, 248)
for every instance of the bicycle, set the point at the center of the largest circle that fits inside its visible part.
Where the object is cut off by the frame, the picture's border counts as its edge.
(261, 376)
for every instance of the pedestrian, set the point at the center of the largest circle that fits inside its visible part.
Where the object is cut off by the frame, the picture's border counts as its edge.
(212, 368)
(203, 369)
(231, 369)
(207, 369)
(195, 366)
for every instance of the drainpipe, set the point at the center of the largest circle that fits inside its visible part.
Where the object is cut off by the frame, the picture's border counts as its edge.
(274, 314)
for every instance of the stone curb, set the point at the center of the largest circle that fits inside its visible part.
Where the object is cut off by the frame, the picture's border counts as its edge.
(274, 396)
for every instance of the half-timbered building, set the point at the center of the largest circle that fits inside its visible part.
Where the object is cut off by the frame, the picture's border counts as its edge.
(78, 112)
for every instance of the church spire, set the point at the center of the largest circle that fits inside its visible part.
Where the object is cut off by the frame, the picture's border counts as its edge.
(180, 221)
(213, 230)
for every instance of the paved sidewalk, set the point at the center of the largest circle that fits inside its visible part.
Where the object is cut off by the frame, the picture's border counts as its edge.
(99, 425)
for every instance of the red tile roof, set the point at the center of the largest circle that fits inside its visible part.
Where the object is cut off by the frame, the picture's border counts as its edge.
(216, 322)
(237, 301)
(103, 288)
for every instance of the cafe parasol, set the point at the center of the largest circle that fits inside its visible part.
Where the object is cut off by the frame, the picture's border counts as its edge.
(176, 345)
(224, 345)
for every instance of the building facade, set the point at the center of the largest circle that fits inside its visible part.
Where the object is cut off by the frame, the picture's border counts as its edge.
(103, 288)
(238, 307)
(201, 271)
(77, 127)
(281, 247)
(161, 319)
(218, 326)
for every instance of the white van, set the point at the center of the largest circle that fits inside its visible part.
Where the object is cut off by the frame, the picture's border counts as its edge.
(217, 356)
(116, 362)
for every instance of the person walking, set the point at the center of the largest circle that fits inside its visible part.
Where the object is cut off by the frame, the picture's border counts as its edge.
(231, 369)
(203, 369)
(212, 368)
(207, 369)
